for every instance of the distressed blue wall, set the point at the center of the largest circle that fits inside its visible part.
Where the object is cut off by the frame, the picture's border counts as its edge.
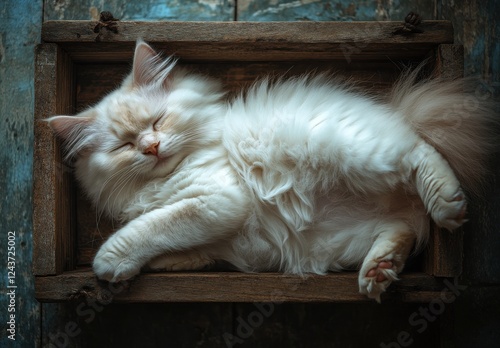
(151, 10)
(338, 10)
(20, 23)
(475, 316)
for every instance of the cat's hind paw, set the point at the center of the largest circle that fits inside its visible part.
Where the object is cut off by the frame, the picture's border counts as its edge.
(450, 210)
(113, 267)
(375, 277)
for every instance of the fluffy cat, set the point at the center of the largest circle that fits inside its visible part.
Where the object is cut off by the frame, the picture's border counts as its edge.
(296, 175)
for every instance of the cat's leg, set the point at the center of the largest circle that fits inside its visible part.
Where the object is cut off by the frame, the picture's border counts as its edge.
(187, 224)
(438, 186)
(190, 260)
(386, 258)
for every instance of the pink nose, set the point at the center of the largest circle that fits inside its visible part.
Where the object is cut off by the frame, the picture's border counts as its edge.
(152, 149)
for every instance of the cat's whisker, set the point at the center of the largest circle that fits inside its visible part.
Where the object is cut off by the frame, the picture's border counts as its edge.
(120, 184)
(107, 206)
(100, 210)
(130, 178)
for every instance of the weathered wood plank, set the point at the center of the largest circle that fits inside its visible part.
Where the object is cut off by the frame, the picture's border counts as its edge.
(44, 188)
(247, 32)
(230, 287)
(245, 41)
(444, 253)
(52, 203)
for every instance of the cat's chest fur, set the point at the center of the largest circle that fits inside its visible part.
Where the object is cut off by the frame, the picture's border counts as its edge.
(203, 175)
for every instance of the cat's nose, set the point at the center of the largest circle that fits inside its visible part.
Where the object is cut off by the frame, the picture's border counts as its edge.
(152, 149)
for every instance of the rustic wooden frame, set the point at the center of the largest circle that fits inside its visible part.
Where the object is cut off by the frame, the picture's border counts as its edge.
(70, 42)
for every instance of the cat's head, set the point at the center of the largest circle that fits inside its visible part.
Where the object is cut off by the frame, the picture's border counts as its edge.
(144, 129)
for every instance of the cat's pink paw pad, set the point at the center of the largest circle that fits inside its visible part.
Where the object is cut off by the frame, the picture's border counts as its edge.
(377, 274)
(375, 277)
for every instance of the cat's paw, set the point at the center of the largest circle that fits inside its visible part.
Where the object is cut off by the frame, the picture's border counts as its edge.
(114, 266)
(375, 277)
(450, 209)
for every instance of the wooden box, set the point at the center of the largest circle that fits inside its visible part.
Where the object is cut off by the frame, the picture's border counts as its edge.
(78, 62)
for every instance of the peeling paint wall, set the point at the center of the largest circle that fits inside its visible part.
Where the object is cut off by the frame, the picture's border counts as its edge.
(339, 10)
(17, 41)
(244, 10)
(151, 10)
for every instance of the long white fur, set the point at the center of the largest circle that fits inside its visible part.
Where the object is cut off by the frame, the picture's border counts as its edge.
(299, 175)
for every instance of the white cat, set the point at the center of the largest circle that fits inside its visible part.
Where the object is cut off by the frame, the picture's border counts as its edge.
(298, 175)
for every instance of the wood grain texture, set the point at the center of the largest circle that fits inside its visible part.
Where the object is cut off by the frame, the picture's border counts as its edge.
(434, 31)
(44, 188)
(230, 287)
(52, 194)
(244, 41)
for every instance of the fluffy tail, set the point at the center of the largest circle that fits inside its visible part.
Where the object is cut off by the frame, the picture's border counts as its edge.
(456, 117)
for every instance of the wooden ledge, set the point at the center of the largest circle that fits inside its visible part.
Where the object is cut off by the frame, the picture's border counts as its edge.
(230, 287)
(248, 41)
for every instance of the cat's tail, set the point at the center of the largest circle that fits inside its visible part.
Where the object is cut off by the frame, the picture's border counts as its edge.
(457, 117)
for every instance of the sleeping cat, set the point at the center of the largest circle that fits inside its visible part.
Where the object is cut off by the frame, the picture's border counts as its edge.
(296, 175)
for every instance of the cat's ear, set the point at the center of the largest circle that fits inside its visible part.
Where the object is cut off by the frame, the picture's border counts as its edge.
(70, 127)
(148, 67)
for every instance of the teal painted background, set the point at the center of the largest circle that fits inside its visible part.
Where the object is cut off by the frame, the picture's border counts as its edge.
(472, 321)
(20, 24)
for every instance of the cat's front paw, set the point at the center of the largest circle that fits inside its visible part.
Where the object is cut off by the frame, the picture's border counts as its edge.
(114, 265)
(375, 277)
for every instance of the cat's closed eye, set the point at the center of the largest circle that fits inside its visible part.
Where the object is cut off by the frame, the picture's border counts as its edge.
(124, 146)
(158, 122)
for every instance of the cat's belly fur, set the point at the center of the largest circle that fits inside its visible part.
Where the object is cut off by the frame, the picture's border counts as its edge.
(341, 233)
